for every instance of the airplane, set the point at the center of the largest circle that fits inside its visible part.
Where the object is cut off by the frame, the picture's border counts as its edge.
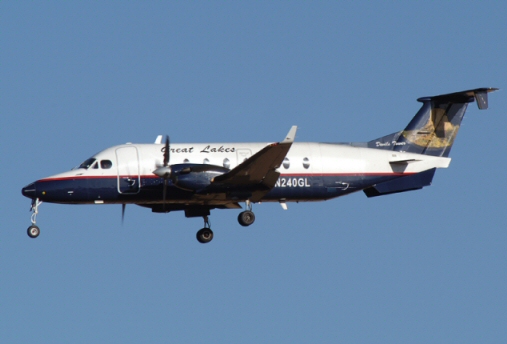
(198, 177)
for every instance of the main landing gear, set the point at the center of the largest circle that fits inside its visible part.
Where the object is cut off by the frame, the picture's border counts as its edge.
(33, 231)
(247, 217)
(205, 235)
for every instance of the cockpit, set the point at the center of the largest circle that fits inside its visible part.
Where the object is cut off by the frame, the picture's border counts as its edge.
(93, 163)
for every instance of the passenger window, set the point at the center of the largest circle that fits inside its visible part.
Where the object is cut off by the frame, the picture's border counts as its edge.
(286, 163)
(306, 163)
(106, 164)
(227, 163)
(206, 161)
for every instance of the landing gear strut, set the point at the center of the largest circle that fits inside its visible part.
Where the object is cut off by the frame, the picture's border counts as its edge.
(247, 217)
(33, 231)
(205, 235)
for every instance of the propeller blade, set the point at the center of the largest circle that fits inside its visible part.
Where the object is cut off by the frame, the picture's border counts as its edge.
(166, 151)
(164, 193)
(165, 172)
(123, 206)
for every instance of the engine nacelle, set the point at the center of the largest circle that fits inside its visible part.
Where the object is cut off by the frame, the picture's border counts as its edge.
(194, 177)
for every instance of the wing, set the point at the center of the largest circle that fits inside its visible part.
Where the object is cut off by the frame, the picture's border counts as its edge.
(258, 173)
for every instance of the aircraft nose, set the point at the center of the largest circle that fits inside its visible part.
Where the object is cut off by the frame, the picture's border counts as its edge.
(29, 190)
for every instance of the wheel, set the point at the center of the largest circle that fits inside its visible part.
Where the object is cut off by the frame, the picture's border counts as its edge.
(246, 218)
(204, 235)
(33, 231)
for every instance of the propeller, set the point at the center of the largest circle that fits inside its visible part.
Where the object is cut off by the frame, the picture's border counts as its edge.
(165, 170)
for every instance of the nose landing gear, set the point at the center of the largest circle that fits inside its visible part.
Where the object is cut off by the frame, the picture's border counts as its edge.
(205, 235)
(33, 231)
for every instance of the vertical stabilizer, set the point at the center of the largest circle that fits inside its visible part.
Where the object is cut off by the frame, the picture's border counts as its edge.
(433, 129)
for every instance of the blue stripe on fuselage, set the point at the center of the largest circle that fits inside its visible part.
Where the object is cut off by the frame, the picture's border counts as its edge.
(324, 186)
(289, 187)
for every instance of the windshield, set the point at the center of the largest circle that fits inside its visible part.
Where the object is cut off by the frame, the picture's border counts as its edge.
(87, 163)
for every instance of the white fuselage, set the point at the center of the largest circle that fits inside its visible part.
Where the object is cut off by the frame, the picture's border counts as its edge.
(309, 172)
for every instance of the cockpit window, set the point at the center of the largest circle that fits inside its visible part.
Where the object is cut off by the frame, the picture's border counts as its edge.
(95, 165)
(106, 164)
(87, 163)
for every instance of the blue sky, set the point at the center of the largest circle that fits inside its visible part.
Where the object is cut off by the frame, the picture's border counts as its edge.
(418, 267)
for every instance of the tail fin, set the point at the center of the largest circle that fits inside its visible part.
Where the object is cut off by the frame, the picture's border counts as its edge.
(433, 129)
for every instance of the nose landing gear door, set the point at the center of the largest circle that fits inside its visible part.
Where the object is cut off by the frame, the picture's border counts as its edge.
(127, 159)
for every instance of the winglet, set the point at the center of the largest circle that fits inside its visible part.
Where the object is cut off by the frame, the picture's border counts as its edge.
(291, 135)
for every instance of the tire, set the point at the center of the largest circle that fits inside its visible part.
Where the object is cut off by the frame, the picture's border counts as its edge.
(246, 218)
(204, 235)
(33, 231)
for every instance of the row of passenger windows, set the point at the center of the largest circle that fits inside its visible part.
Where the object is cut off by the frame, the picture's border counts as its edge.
(107, 164)
(286, 163)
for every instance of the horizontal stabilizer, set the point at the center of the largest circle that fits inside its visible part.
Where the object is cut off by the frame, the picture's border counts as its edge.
(409, 183)
(480, 95)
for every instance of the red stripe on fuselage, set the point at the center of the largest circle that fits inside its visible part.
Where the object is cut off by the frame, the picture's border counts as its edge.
(78, 177)
(308, 175)
(349, 174)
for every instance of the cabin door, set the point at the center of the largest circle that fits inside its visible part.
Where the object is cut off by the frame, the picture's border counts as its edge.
(127, 159)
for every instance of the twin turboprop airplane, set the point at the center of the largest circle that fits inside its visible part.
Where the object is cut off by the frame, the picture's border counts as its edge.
(199, 177)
